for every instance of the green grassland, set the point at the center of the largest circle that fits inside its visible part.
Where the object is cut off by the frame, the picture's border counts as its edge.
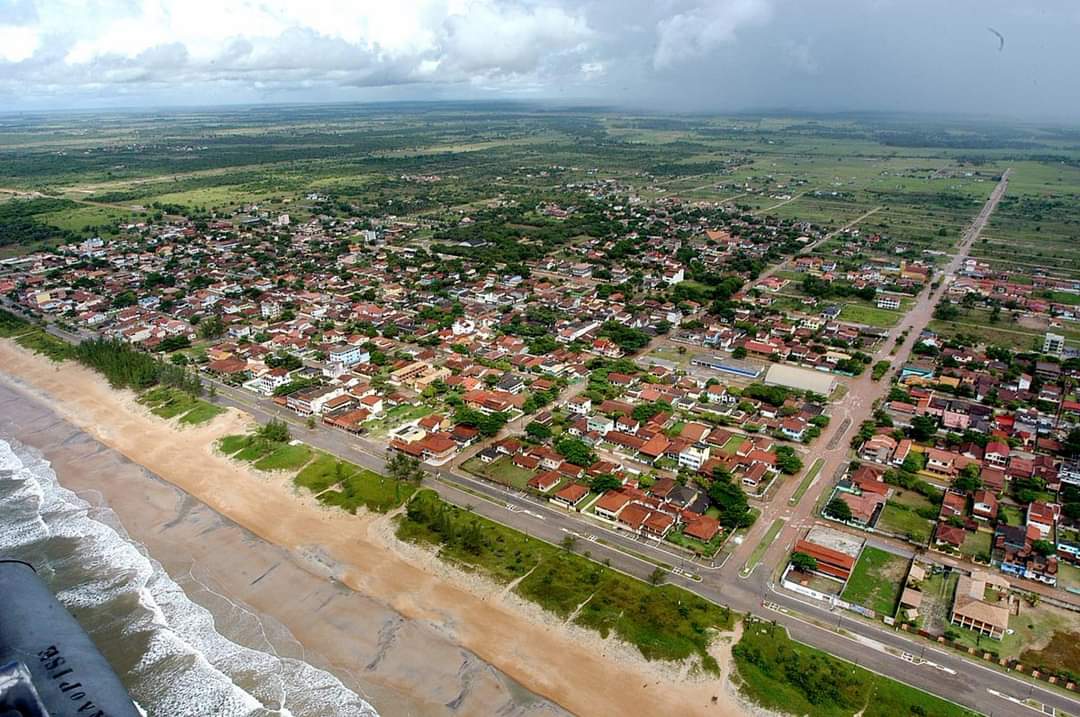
(925, 180)
(501, 470)
(348, 486)
(870, 315)
(168, 403)
(876, 580)
(332, 481)
(664, 623)
(791, 678)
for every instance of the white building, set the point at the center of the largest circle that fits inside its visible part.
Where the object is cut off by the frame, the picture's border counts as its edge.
(694, 456)
(348, 355)
(1054, 344)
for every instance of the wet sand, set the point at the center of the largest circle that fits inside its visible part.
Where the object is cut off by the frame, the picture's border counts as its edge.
(280, 572)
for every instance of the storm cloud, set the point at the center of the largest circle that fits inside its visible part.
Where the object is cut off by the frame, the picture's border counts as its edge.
(681, 55)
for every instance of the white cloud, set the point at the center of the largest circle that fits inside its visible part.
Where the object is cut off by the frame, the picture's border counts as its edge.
(695, 32)
(275, 42)
(17, 43)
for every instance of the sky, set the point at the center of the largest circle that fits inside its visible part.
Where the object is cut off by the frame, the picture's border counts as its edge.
(654, 55)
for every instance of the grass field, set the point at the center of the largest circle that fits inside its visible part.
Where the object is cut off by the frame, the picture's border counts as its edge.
(664, 623)
(33, 338)
(397, 416)
(977, 545)
(348, 486)
(901, 519)
(870, 315)
(168, 403)
(791, 678)
(333, 481)
(285, 458)
(501, 470)
(877, 580)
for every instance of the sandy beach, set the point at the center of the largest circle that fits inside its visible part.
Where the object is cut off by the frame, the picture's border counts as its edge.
(411, 635)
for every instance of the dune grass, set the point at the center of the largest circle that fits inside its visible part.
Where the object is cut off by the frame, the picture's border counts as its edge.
(664, 623)
(792, 678)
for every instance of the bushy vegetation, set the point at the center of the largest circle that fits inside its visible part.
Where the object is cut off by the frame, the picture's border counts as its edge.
(33, 338)
(20, 221)
(665, 623)
(790, 677)
(127, 367)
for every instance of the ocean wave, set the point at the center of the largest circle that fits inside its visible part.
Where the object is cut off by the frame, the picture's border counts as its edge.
(165, 647)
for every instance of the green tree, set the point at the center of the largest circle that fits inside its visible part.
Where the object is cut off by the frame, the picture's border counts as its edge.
(923, 427)
(538, 431)
(838, 509)
(968, 481)
(404, 468)
(1044, 547)
(576, 451)
(604, 482)
(787, 460)
(803, 562)
(275, 430)
(730, 500)
(211, 327)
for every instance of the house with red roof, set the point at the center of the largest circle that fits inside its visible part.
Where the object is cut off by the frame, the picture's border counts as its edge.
(985, 505)
(996, 454)
(546, 481)
(571, 496)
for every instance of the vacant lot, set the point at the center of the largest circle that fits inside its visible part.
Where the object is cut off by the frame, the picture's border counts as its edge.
(937, 598)
(285, 458)
(877, 580)
(900, 519)
(501, 470)
(977, 545)
(869, 315)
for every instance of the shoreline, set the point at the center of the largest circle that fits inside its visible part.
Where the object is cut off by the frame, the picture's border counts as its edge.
(240, 579)
(529, 649)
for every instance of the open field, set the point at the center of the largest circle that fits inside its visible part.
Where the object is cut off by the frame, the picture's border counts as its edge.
(877, 580)
(501, 470)
(870, 315)
(903, 520)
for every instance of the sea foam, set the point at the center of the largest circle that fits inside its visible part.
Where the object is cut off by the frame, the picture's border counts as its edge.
(165, 647)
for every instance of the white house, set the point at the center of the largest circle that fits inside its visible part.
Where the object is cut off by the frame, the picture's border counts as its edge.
(694, 456)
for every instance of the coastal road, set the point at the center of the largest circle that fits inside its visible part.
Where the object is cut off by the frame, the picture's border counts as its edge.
(839, 633)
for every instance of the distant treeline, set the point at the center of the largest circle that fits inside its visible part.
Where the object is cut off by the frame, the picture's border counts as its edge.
(19, 223)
